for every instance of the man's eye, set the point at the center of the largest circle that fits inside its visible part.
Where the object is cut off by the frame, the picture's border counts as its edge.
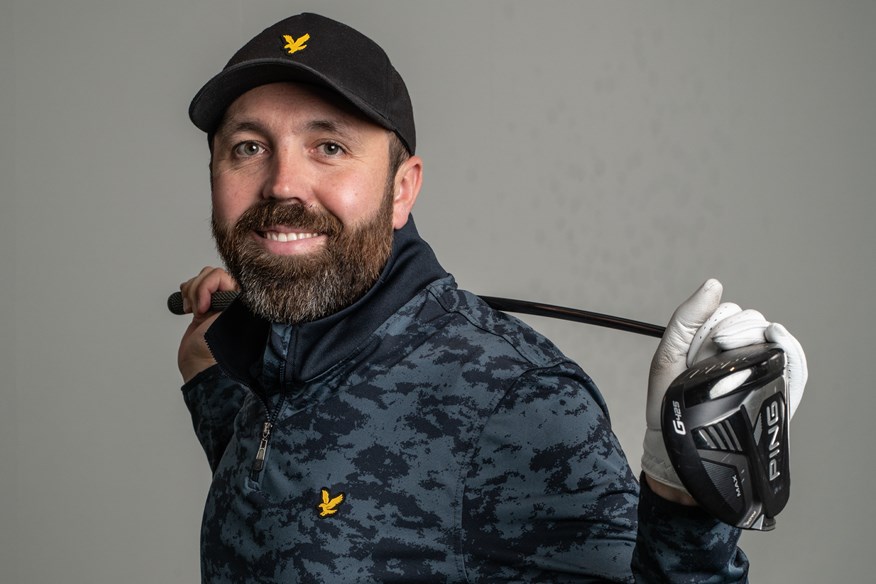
(246, 149)
(331, 149)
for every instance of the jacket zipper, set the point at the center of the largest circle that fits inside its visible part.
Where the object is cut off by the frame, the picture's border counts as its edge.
(259, 462)
(267, 427)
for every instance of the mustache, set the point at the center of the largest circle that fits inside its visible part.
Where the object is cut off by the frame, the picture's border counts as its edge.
(265, 214)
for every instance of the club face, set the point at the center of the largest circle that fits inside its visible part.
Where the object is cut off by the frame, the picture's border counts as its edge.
(725, 426)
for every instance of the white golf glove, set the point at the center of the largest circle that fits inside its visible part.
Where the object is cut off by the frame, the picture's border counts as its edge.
(699, 328)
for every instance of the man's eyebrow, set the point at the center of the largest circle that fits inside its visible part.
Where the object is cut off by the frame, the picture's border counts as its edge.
(338, 127)
(232, 127)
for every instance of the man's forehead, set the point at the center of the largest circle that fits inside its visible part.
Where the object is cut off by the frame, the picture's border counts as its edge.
(266, 100)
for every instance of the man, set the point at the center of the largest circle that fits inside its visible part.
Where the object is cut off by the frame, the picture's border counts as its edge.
(366, 420)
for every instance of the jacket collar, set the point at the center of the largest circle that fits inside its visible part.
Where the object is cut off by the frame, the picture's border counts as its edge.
(238, 339)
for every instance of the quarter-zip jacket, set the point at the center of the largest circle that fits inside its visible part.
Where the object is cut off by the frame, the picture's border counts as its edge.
(420, 436)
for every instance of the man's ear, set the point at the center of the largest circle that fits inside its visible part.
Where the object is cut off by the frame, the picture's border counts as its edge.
(408, 180)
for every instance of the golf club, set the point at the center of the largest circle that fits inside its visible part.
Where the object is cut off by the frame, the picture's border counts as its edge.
(725, 420)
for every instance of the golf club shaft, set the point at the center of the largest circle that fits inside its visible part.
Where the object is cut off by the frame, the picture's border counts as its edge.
(221, 300)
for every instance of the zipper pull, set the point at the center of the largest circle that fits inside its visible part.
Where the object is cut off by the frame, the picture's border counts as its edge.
(263, 448)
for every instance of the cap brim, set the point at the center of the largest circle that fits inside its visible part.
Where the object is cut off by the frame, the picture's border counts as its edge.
(209, 105)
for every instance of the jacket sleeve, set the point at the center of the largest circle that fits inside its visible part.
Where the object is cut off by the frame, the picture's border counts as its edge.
(550, 497)
(213, 401)
(681, 544)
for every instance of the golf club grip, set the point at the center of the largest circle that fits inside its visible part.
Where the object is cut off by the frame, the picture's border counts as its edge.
(221, 300)
(218, 302)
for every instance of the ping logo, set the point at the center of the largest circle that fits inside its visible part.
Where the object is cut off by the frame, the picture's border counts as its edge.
(329, 505)
(774, 420)
(292, 45)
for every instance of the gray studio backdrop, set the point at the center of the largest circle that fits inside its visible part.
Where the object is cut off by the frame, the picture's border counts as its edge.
(606, 155)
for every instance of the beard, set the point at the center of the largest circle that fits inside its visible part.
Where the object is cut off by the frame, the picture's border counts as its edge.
(303, 288)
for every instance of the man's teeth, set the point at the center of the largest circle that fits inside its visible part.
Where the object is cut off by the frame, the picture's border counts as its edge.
(277, 236)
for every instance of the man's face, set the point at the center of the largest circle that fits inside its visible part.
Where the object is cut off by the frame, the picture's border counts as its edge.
(303, 204)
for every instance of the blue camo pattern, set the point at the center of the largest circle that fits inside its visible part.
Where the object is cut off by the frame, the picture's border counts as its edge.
(467, 448)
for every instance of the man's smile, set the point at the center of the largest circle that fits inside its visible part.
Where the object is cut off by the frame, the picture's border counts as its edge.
(284, 236)
(285, 240)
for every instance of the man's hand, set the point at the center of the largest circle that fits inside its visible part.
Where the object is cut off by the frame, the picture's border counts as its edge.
(194, 356)
(701, 327)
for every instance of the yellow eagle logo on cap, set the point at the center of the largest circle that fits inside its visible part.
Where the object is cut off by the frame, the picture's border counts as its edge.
(329, 505)
(294, 45)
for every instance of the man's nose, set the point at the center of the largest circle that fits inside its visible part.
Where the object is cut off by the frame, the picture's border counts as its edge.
(288, 179)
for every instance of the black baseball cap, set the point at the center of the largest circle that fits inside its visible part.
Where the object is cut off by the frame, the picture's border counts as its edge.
(310, 48)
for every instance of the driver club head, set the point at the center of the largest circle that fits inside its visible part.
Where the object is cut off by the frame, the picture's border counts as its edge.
(725, 426)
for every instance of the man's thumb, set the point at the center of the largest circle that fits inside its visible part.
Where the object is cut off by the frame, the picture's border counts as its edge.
(686, 320)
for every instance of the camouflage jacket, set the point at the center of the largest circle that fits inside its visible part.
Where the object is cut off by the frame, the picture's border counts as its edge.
(420, 436)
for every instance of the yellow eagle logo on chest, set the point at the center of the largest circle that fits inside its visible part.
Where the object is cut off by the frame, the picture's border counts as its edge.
(329, 505)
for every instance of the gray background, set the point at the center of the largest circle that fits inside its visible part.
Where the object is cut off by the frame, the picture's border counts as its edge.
(606, 155)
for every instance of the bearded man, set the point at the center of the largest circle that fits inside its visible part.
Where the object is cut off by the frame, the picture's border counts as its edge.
(366, 420)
